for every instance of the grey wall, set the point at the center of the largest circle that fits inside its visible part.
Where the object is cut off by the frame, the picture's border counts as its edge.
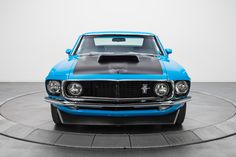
(34, 34)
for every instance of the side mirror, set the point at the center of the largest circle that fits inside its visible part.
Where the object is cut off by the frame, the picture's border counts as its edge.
(68, 51)
(168, 51)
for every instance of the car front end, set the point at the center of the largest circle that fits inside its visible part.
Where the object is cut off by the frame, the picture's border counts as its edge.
(111, 88)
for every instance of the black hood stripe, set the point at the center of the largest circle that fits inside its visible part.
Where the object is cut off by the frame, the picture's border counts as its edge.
(90, 65)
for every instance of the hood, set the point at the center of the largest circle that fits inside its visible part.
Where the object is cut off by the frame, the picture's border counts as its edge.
(117, 64)
(115, 67)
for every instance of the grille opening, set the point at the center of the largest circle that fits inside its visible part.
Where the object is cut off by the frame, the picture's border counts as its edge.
(117, 89)
(118, 59)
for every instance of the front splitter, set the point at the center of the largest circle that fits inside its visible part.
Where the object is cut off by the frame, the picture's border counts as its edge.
(109, 120)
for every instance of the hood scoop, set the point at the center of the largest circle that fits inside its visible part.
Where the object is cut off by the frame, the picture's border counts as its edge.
(118, 59)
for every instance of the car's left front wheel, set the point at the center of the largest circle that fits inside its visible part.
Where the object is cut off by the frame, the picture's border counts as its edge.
(181, 116)
(55, 116)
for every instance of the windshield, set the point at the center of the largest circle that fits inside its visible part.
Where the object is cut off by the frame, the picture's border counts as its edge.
(118, 44)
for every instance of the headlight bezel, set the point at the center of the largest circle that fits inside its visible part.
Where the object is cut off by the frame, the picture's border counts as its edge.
(177, 92)
(74, 84)
(49, 91)
(161, 84)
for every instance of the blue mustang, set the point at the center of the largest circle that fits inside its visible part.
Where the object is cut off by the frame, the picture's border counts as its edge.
(118, 78)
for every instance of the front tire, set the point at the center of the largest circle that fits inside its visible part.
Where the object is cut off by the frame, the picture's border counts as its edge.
(181, 116)
(55, 116)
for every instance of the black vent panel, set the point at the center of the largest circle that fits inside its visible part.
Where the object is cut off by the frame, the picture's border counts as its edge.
(118, 58)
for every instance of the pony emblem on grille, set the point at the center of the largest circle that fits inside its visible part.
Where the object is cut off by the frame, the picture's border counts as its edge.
(145, 88)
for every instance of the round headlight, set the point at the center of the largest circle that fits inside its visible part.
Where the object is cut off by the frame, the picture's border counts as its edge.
(161, 89)
(54, 87)
(181, 87)
(74, 89)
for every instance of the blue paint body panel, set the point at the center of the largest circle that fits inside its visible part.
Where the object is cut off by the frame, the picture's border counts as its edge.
(171, 71)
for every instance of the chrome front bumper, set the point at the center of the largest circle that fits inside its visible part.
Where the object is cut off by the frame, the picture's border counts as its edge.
(116, 105)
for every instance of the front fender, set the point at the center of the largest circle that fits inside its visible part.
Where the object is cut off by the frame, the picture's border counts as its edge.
(61, 70)
(174, 70)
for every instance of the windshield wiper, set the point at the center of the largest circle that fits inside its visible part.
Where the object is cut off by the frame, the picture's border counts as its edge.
(145, 54)
(96, 53)
(89, 54)
(116, 53)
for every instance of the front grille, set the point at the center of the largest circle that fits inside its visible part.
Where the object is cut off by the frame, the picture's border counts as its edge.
(117, 89)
